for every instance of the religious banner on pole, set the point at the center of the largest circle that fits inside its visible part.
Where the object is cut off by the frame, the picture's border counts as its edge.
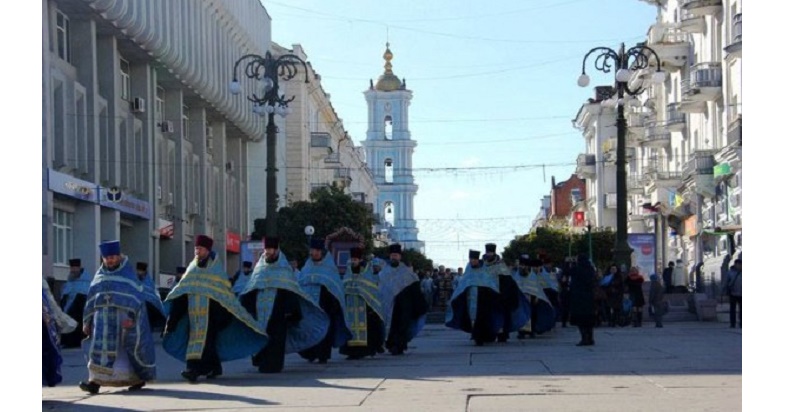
(644, 252)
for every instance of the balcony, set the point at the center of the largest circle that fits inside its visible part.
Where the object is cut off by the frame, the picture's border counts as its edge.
(342, 173)
(734, 48)
(691, 22)
(586, 165)
(333, 158)
(700, 162)
(675, 119)
(321, 140)
(610, 200)
(610, 145)
(636, 184)
(734, 135)
(636, 123)
(666, 178)
(671, 45)
(701, 7)
(703, 84)
(657, 136)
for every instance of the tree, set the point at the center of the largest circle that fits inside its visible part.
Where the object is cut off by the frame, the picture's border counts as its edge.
(329, 209)
(556, 244)
(411, 257)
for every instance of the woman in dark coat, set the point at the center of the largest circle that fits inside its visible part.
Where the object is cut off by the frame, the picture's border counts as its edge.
(635, 283)
(581, 304)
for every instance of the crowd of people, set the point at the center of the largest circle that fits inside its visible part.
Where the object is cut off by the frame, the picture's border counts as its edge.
(263, 313)
(272, 309)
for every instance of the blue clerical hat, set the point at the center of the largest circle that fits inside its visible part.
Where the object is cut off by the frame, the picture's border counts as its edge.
(317, 243)
(110, 248)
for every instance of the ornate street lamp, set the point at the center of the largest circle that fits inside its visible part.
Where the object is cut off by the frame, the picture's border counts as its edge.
(623, 63)
(267, 100)
(590, 246)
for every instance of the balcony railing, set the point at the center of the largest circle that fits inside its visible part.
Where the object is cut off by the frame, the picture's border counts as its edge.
(320, 139)
(343, 173)
(637, 120)
(661, 175)
(660, 34)
(586, 164)
(737, 36)
(635, 182)
(333, 158)
(674, 117)
(657, 136)
(700, 162)
(703, 75)
(701, 7)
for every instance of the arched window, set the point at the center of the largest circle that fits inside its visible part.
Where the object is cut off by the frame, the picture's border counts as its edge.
(388, 213)
(388, 128)
(389, 166)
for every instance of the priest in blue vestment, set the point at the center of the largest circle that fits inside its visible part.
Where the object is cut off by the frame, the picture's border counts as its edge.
(320, 279)
(542, 314)
(207, 325)
(476, 304)
(73, 299)
(404, 306)
(54, 323)
(364, 310)
(292, 318)
(119, 347)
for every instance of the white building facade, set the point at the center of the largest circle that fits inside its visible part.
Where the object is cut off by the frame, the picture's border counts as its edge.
(319, 151)
(685, 172)
(142, 141)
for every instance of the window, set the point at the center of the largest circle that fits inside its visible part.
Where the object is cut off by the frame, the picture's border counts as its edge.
(124, 79)
(184, 127)
(388, 128)
(62, 36)
(389, 168)
(388, 213)
(160, 97)
(62, 236)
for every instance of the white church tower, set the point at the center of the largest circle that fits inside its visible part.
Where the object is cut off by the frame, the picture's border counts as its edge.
(389, 153)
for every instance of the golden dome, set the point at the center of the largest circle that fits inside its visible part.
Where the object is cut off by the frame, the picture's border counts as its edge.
(388, 82)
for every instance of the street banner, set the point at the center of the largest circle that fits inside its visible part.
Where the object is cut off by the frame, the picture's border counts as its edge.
(644, 255)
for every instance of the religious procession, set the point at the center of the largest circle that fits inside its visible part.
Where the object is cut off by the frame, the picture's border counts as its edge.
(208, 318)
(273, 309)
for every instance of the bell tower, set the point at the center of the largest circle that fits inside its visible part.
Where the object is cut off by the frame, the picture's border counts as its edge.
(389, 154)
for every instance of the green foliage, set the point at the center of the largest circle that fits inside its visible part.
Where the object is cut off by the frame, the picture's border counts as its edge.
(556, 244)
(411, 257)
(328, 210)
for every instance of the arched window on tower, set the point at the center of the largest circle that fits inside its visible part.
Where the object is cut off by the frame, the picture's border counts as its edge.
(389, 165)
(388, 213)
(388, 128)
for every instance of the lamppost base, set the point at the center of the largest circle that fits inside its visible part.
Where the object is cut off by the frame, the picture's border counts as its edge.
(622, 255)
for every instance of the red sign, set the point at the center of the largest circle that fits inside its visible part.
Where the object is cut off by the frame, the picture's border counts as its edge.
(232, 242)
(578, 219)
(647, 249)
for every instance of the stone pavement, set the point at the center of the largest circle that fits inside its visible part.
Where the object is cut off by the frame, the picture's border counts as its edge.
(686, 366)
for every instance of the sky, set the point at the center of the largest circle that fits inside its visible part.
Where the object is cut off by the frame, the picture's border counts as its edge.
(494, 96)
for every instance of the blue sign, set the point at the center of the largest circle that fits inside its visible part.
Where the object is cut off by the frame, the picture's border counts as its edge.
(87, 191)
(251, 251)
(70, 186)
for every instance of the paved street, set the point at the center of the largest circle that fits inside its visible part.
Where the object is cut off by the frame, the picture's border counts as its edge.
(686, 366)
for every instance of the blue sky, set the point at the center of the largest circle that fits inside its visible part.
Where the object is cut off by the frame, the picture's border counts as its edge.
(494, 88)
